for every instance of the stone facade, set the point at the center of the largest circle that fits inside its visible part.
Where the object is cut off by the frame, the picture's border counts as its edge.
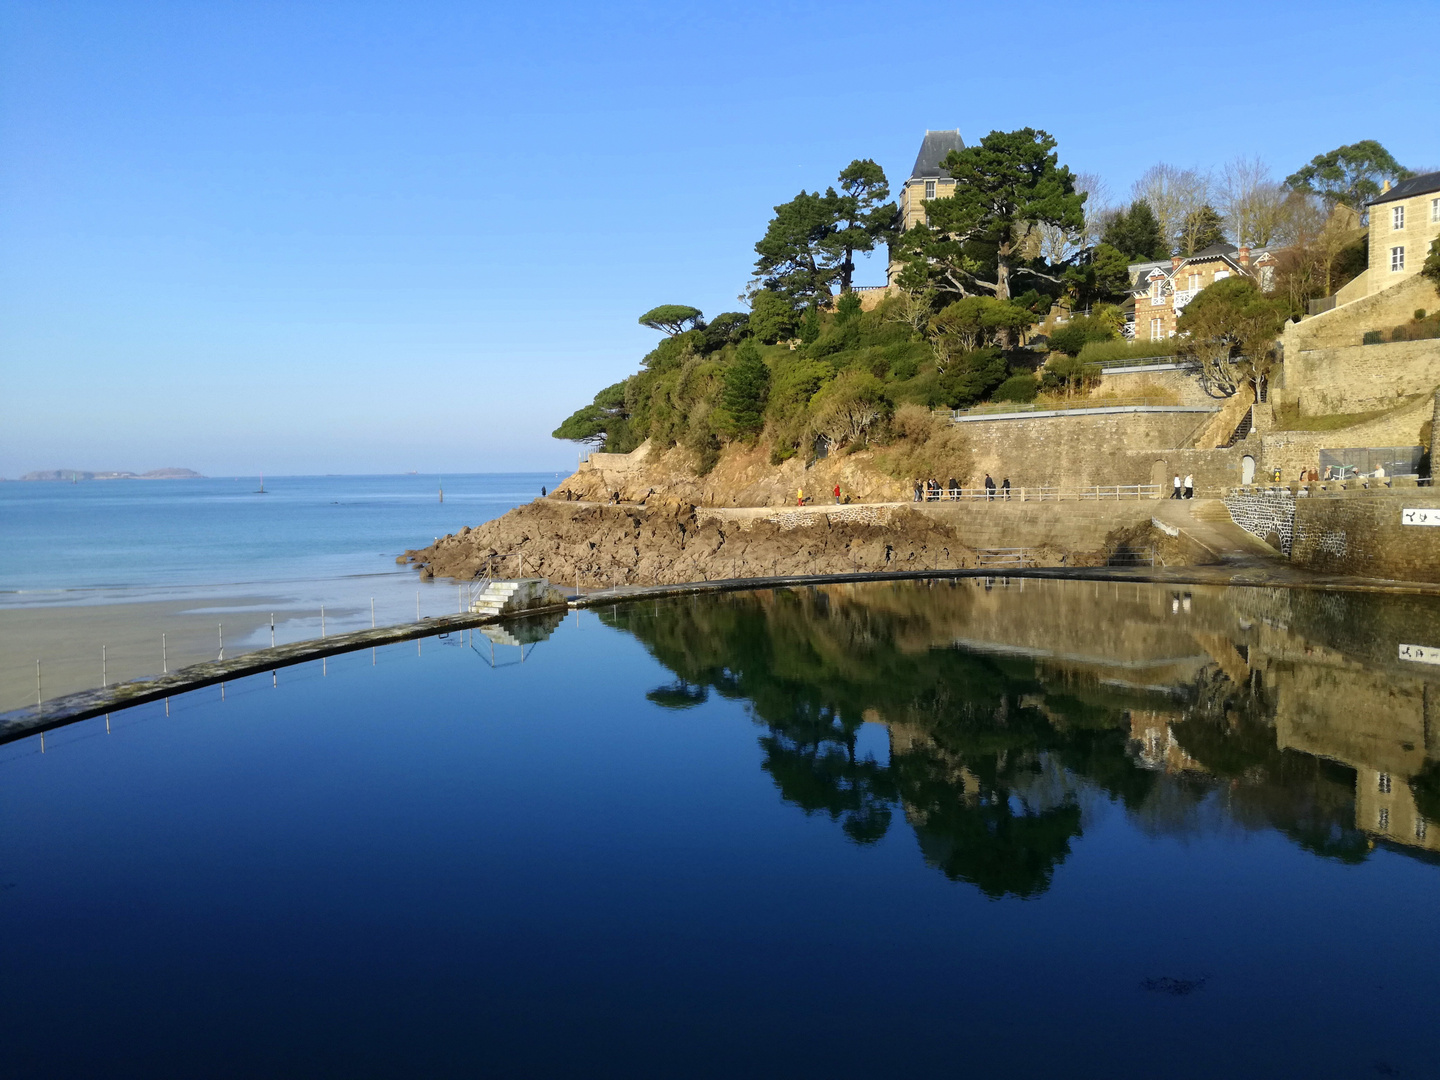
(927, 181)
(1404, 221)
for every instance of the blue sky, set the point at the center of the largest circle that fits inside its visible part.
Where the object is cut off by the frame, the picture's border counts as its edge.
(365, 237)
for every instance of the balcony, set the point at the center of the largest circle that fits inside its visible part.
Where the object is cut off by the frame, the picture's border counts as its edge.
(1183, 297)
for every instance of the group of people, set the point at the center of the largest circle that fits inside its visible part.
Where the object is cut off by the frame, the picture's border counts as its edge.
(1185, 489)
(800, 499)
(933, 490)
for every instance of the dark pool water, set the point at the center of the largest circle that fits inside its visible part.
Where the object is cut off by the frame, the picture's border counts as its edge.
(921, 829)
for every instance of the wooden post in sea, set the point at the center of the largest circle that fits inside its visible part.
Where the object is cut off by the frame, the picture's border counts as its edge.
(272, 629)
(322, 620)
(104, 668)
(221, 628)
(164, 656)
(39, 697)
(372, 613)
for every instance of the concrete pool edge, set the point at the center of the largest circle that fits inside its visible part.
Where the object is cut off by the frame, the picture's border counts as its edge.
(87, 704)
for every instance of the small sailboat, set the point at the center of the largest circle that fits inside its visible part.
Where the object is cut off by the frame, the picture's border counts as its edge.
(262, 485)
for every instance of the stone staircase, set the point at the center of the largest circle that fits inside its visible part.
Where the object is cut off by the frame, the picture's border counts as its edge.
(502, 597)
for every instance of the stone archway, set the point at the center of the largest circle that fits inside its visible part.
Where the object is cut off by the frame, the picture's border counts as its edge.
(1160, 478)
(1247, 469)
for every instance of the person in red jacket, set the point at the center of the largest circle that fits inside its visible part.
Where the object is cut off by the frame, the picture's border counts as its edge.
(837, 494)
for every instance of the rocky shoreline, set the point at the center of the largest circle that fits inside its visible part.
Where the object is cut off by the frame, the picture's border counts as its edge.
(599, 546)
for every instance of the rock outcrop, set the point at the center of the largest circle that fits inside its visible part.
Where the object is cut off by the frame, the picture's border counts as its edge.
(599, 546)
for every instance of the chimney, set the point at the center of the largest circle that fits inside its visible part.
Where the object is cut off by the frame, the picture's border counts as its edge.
(1175, 261)
(1386, 187)
(1243, 255)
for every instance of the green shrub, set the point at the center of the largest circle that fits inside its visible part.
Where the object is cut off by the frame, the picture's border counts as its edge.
(1096, 352)
(1372, 337)
(1021, 388)
(1077, 333)
(1419, 313)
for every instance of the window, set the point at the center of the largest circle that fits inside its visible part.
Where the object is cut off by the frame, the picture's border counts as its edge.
(929, 189)
(1221, 275)
(1155, 286)
(1397, 259)
(1435, 209)
(1194, 282)
(1419, 828)
(1383, 820)
(1156, 332)
(1397, 219)
(1382, 783)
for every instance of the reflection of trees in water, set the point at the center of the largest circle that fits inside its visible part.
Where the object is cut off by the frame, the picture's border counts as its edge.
(991, 759)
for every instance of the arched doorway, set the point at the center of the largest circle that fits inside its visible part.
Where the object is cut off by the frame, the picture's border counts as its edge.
(1160, 478)
(1247, 470)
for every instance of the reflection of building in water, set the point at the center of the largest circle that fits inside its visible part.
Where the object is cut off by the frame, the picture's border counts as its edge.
(1385, 808)
(1157, 747)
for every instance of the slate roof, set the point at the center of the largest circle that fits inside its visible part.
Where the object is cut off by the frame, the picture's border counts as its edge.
(932, 151)
(1416, 185)
(1215, 250)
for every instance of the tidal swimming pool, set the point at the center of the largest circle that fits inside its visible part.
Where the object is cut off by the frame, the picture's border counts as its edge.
(1049, 828)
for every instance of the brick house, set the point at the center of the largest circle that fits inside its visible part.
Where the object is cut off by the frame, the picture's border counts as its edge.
(1160, 290)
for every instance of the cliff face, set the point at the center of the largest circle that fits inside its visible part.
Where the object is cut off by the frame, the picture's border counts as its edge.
(742, 477)
(669, 543)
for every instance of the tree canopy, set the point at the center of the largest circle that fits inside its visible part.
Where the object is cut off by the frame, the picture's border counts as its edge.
(599, 421)
(1350, 175)
(1006, 184)
(810, 243)
(1232, 328)
(1135, 231)
(672, 318)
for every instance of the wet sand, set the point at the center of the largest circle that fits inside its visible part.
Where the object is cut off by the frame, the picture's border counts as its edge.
(67, 641)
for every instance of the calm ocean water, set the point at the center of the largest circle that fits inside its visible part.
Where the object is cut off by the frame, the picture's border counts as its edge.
(106, 540)
(916, 829)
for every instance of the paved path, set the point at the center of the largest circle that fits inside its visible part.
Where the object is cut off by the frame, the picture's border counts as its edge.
(1208, 523)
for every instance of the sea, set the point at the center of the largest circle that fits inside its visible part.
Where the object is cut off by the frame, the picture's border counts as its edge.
(109, 541)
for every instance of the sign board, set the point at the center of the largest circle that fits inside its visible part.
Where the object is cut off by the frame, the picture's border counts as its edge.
(1421, 515)
(1421, 654)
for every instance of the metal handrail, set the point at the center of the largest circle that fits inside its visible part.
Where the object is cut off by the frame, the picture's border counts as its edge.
(1100, 492)
(1060, 406)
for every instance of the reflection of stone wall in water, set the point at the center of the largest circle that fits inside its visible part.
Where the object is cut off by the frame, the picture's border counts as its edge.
(1009, 708)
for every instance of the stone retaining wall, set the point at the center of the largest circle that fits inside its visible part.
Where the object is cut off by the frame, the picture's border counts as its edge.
(1352, 533)
(1265, 516)
(1359, 378)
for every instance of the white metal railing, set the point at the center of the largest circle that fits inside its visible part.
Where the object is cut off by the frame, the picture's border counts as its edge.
(1100, 492)
(1183, 297)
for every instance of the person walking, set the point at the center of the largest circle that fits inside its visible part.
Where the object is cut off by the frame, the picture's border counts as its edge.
(1177, 492)
(837, 494)
(954, 489)
(1005, 488)
(989, 487)
(1189, 486)
(799, 496)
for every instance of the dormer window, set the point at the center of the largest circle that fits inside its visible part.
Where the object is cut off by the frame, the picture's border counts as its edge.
(1397, 219)
(929, 189)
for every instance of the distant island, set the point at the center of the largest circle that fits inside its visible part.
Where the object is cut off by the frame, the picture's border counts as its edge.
(72, 475)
